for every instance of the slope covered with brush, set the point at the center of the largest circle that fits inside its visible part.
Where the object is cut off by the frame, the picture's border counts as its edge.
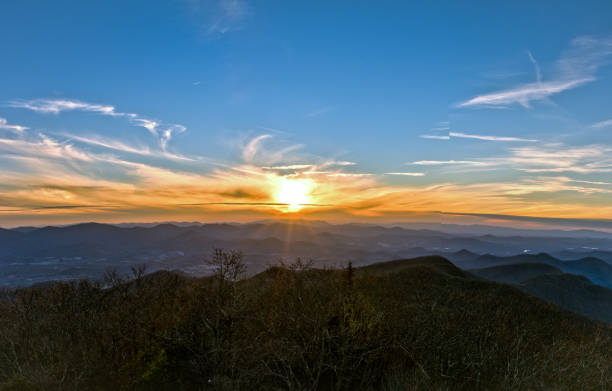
(406, 324)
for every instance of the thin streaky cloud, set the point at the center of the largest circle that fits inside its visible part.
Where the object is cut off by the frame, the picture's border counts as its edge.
(148, 124)
(602, 124)
(442, 125)
(526, 93)
(167, 134)
(345, 174)
(250, 204)
(288, 167)
(536, 66)
(475, 137)
(434, 137)
(561, 158)
(42, 146)
(122, 147)
(318, 112)
(595, 223)
(252, 147)
(259, 152)
(406, 173)
(576, 67)
(74, 207)
(52, 207)
(110, 144)
(577, 169)
(490, 138)
(57, 106)
(592, 182)
(228, 15)
(341, 163)
(447, 162)
(6, 126)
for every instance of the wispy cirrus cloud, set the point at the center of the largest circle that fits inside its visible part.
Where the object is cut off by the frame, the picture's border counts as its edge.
(576, 67)
(102, 178)
(272, 154)
(448, 162)
(406, 173)
(65, 181)
(289, 167)
(165, 135)
(569, 222)
(4, 125)
(526, 93)
(261, 152)
(120, 146)
(536, 66)
(435, 136)
(541, 159)
(490, 138)
(559, 158)
(602, 124)
(230, 16)
(476, 137)
(341, 163)
(442, 125)
(592, 182)
(252, 147)
(320, 111)
(148, 124)
(163, 132)
(42, 146)
(218, 17)
(56, 106)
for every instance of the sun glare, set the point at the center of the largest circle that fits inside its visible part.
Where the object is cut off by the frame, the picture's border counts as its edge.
(294, 193)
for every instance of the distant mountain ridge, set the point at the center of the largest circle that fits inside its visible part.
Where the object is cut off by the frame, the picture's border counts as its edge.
(32, 255)
(594, 269)
(515, 273)
(572, 292)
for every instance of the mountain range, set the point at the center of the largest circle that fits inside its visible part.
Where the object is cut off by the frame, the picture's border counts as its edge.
(572, 272)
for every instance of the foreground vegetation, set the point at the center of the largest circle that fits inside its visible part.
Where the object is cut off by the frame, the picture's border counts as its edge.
(402, 325)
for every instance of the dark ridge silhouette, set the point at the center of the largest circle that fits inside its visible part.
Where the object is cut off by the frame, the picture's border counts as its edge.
(568, 255)
(436, 263)
(515, 273)
(572, 292)
(594, 269)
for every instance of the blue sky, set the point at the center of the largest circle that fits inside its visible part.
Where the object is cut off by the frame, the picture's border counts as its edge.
(386, 110)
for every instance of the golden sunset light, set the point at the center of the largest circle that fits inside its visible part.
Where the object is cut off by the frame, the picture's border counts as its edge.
(250, 195)
(295, 193)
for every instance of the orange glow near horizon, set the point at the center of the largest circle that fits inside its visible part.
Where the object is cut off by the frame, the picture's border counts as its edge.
(54, 192)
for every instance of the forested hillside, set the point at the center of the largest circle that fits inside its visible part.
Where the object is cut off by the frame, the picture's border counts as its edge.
(407, 324)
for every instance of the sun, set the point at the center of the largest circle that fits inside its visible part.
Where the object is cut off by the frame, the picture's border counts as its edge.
(294, 193)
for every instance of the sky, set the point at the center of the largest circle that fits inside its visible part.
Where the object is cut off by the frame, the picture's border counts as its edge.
(235, 110)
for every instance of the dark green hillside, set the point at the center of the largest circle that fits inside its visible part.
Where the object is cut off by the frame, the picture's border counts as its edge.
(572, 292)
(434, 263)
(400, 325)
(594, 269)
(515, 273)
